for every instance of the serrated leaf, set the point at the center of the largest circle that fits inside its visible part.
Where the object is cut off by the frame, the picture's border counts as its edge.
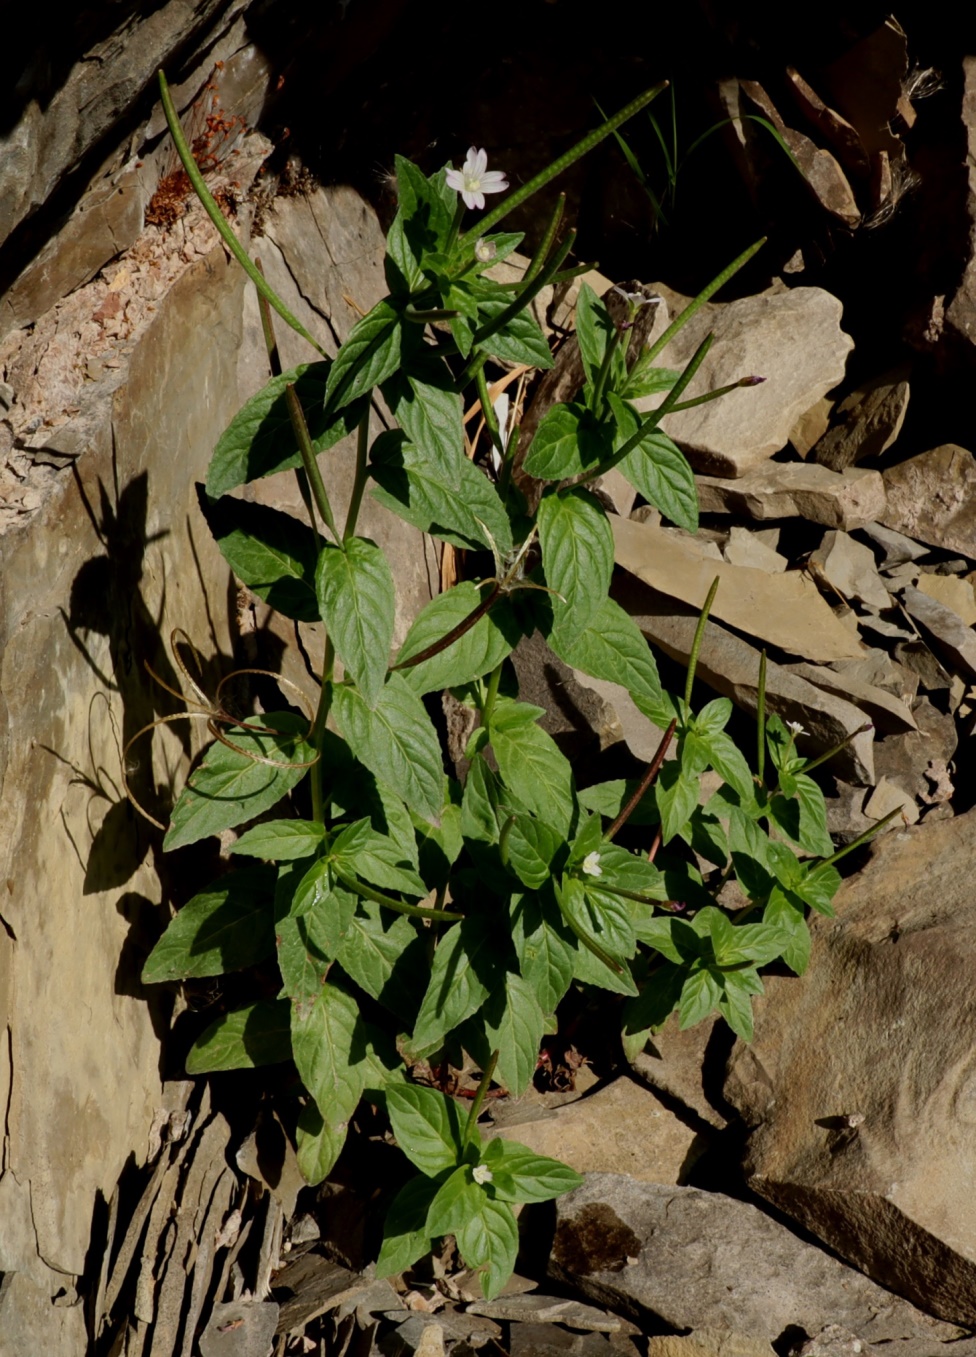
(481, 648)
(699, 996)
(677, 796)
(568, 441)
(228, 788)
(490, 1241)
(259, 1034)
(396, 742)
(656, 1001)
(519, 341)
(577, 553)
(657, 469)
(225, 928)
(611, 647)
(405, 1237)
(370, 354)
(467, 965)
(318, 1144)
(384, 954)
(328, 1049)
(545, 947)
(804, 819)
(271, 552)
(303, 966)
(594, 331)
(729, 763)
(424, 403)
(531, 764)
(735, 1006)
(357, 600)
(521, 1175)
(428, 1126)
(646, 380)
(459, 1199)
(479, 819)
(260, 440)
(514, 1026)
(609, 799)
(472, 517)
(531, 846)
(281, 840)
(376, 859)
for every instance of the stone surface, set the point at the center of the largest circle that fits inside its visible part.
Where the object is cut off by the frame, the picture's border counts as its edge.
(932, 497)
(811, 427)
(709, 1343)
(869, 1141)
(548, 1340)
(534, 1306)
(697, 1259)
(954, 641)
(847, 499)
(792, 338)
(887, 797)
(869, 421)
(731, 666)
(889, 713)
(746, 548)
(895, 547)
(620, 1128)
(960, 312)
(784, 610)
(673, 1062)
(849, 567)
(917, 761)
(952, 592)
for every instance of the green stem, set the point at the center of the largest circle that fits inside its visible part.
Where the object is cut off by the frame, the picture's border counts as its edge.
(662, 342)
(318, 729)
(653, 420)
(556, 168)
(358, 887)
(714, 395)
(861, 839)
(491, 694)
(359, 484)
(599, 386)
(455, 634)
(653, 768)
(220, 221)
(835, 749)
(488, 410)
(456, 224)
(309, 459)
(511, 452)
(528, 293)
(470, 1129)
(542, 253)
(696, 644)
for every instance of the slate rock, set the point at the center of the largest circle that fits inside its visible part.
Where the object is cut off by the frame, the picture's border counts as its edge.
(932, 497)
(868, 1141)
(673, 1062)
(709, 1343)
(792, 338)
(550, 1340)
(952, 592)
(693, 1259)
(960, 312)
(870, 420)
(847, 499)
(849, 566)
(954, 641)
(895, 547)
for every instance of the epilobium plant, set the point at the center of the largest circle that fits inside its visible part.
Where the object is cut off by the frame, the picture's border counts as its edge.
(411, 914)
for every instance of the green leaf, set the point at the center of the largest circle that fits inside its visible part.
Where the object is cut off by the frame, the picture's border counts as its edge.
(272, 553)
(644, 379)
(467, 965)
(383, 953)
(259, 1034)
(677, 796)
(609, 799)
(304, 965)
(429, 1127)
(804, 819)
(531, 846)
(479, 818)
(531, 764)
(370, 354)
(783, 914)
(545, 946)
(603, 920)
(477, 652)
(577, 553)
(459, 1200)
(396, 742)
(228, 787)
(490, 1241)
(611, 647)
(514, 1026)
(567, 442)
(281, 840)
(699, 996)
(225, 928)
(519, 341)
(521, 1175)
(357, 599)
(410, 487)
(260, 441)
(749, 847)
(405, 1237)
(324, 908)
(656, 468)
(594, 331)
(375, 858)
(318, 1144)
(735, 1006)
(428, 409)
(817, 887)
(656, 1001)
(627, 871)
(328, 1048)
(726, 759)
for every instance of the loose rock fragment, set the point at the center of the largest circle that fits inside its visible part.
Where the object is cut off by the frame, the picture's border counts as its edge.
(871, 419)
(847, 499)
(932, 497)
(955, 641)
(850, 568)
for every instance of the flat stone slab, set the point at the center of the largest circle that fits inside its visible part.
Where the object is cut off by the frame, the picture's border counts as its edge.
(837, 499)
(932, 497)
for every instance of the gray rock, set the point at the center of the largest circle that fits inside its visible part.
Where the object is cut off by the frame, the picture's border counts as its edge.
(952, 592)
(811, 427)
(870, 421)
(849, 567)
(917, 761)
(548, 1340)
(951, 637)
(673, 1061)
(731, 666)
(709, 1343)
(693, 1259)
(868, 1141)
(747, 548)
(792, 338)
(932, 497)
(240, 1329)
(960, 312)
(847, 499)
(889, 713)
(533, 1306)
(895, 547)
(888, 797)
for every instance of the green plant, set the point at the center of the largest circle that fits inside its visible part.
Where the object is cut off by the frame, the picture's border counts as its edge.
(410, 915)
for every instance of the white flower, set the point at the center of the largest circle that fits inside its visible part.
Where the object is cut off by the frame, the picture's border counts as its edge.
(473, 180)
(796, 728)
(591, 865)
(636, 299)
(484, 250)
(481, 1174)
